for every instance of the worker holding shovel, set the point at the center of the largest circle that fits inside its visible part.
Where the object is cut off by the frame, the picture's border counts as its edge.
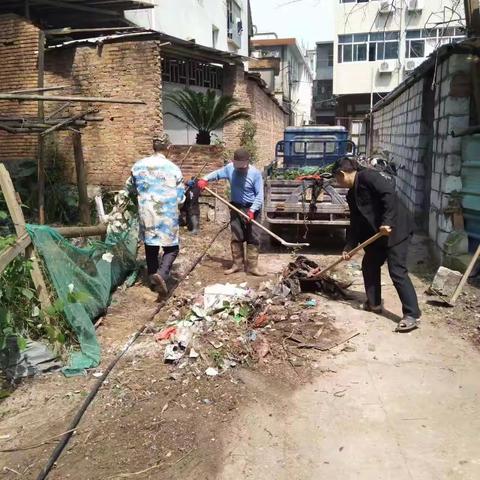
(246, 185)
(375, 207)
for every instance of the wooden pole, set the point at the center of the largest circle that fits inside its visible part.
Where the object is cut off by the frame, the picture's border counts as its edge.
(68, 98)
(41, 140)
(81, 179)
(18, 220)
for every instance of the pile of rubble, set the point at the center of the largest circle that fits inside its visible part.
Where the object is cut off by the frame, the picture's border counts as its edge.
(230, 324)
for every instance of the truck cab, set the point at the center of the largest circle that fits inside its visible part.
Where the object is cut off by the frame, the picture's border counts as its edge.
(298, 186)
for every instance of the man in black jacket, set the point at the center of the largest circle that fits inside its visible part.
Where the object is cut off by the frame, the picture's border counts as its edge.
(374, 207)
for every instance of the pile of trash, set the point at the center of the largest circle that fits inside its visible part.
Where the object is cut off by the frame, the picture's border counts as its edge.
(229, 324)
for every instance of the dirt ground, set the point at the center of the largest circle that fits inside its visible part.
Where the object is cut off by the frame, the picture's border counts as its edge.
(294, 413)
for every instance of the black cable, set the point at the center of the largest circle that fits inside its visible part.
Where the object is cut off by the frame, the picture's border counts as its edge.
(78, 416)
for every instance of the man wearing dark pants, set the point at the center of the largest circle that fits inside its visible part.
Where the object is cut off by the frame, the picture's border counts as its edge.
(159, 186)
(374, 206)
(246, 186)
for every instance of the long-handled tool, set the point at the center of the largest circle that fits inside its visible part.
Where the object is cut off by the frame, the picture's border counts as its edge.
(464, 279)
(320, 272)
(259, 225)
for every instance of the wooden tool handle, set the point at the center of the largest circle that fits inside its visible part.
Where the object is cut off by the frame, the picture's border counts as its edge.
(464, 279)
(243, 214)
(319, 272)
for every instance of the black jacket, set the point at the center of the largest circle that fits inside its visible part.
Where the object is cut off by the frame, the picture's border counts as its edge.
(373, 202)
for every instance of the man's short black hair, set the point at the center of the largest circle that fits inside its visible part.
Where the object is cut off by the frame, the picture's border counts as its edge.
(241, 155)
(345, 164)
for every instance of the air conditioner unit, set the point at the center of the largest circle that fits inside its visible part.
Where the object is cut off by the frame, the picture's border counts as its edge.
(387, 66)
(386, 6)
(414, 5)
(412, 63)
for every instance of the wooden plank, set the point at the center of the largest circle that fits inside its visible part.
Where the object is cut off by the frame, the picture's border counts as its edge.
(10, 253)
(292, 208)
(67, 121)
(83, 202)
(288, 221)
(41, 177)
(74, 232)
(18, 219)
(40, 89)
(68, 98)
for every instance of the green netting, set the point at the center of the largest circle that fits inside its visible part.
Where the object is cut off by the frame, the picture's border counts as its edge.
(94, 272)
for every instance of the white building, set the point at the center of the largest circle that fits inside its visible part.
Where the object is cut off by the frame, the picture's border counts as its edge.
(378, 44)
(287, 72)
(219, 24)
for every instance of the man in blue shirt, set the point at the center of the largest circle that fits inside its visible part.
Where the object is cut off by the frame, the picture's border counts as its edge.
(246, 186)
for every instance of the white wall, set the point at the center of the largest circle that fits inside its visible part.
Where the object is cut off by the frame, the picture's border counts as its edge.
(179, 132)
(362, 77)
(193, 19)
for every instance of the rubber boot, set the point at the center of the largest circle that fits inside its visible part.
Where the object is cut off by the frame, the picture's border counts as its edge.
(252, 261)
(194, 224)
(237, 256)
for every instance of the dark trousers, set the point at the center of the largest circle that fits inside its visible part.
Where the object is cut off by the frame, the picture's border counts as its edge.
(396, 258)
(242, 230)
(164, 265)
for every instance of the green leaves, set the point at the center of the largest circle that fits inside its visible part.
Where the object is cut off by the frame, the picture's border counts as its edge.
(206, 112)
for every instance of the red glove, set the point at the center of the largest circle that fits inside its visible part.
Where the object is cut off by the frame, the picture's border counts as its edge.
(251, 215)
(202, 183)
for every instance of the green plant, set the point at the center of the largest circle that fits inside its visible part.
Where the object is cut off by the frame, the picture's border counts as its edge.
(247, 139)
(206, 112)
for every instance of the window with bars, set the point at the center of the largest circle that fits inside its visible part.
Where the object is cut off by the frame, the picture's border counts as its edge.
(420, 43)
(192, 73)
(360, 47)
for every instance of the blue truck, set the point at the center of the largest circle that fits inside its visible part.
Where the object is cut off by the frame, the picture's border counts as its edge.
(299, 189)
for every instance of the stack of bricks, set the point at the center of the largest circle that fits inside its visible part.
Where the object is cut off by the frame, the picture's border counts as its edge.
(269, 118)
(126, 69)
(18, 53)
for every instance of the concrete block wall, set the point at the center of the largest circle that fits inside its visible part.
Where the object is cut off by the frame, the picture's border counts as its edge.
(267, 114)
(398, 131)
(127, 69)
(452, 112)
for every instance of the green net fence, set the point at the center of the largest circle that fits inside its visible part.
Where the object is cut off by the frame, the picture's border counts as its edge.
(94, 272)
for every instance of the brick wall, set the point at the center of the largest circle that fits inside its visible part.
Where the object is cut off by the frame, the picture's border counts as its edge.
(415, 130)
(128, 69)
(18, 71)
(267, 115)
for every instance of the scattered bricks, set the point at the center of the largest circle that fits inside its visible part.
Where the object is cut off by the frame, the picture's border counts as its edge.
(445, 281)
(456, 243)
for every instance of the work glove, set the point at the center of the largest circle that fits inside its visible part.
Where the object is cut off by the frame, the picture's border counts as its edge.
(202, 184)
(251, 215)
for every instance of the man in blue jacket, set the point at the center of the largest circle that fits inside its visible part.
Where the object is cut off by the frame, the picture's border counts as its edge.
(246, 187)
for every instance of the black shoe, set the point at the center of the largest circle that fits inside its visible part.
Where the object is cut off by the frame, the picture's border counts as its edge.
(159, 283)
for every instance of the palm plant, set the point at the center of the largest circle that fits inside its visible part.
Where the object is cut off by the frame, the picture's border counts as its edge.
(205, 112)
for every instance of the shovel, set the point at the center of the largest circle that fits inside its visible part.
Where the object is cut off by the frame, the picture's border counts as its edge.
(259, 225)
(318, 272)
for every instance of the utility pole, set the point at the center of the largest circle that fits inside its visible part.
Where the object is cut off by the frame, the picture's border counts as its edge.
(472, 17)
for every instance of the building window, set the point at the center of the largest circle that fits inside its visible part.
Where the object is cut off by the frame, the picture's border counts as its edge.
(379, 45)
(192, 73)
(234, 22)
(330, 56)
(352, 48)
(383, 46)
(421, 43)
(214, 36)
(354, 1)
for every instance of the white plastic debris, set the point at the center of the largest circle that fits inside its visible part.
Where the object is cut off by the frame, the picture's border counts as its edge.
(97, 374)
(193, 353)
(173, 353)
(71, 287)
(211, 372)
(215, 296)
(108, 257)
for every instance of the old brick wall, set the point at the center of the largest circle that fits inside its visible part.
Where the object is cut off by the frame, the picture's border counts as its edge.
(18, 71)
(418, 137)
(267, 114)
(127, 69)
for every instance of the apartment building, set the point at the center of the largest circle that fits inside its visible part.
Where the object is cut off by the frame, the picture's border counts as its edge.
(219, 24)
(379, 43)
(287, 70)
(323, 105)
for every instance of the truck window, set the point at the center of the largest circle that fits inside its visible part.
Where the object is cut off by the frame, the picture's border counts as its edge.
(317, 145)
